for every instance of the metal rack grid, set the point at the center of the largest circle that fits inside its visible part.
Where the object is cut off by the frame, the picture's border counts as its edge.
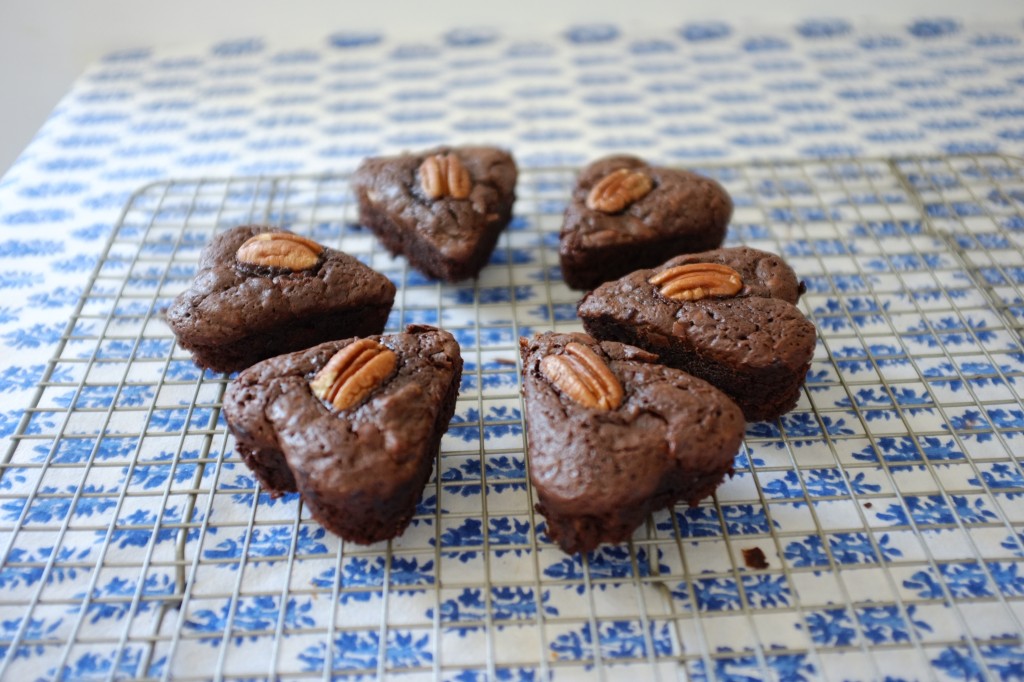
(888, 503)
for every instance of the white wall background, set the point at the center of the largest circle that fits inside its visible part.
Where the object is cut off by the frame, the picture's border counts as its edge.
(45, 44)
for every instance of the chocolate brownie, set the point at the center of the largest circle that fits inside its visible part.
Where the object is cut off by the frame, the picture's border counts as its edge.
(442, 209)
(261, 291)
(354, 426)
(613, 436)
(625, 215)
(727, 316)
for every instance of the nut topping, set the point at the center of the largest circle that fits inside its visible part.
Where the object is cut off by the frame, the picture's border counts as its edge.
(618, 190)
(583, 376)
(694, 281)
(352, 373)
(282, 250)
(443, 175)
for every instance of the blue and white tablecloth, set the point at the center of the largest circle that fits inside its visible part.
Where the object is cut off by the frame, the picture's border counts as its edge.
(889, 504)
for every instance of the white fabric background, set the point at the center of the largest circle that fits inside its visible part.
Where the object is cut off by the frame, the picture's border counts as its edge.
(45, 45)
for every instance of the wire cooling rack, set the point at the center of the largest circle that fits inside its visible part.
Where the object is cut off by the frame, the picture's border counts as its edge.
(888, 504)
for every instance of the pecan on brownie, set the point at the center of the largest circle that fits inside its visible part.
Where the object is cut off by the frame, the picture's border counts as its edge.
(626, 214)
(727, 316)
(354, 426)
(613, 435)
(262, 291)
(443, 209)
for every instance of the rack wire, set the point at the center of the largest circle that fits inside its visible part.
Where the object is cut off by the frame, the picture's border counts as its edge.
(888, 504)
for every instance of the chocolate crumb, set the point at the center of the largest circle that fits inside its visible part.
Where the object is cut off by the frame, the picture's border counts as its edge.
(868, 505)
(754, 558)
(504, 361)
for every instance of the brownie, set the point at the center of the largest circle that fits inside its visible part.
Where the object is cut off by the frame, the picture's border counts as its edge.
(598, 471)
(626, 214)
(752, 343)
(360, 468)
(261, 291)
(443, 209)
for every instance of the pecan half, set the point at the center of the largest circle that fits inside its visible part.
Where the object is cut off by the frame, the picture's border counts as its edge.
(618, 190)
(282, 250)
(352, 373)
(443, 175)
(583, 376)
(694, 281)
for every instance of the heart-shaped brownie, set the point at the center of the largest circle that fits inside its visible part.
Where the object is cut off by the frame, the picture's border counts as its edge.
(442, 209)
(260, 292)
(626, 214)
(727, 316)
(354, 426)
(613, 436)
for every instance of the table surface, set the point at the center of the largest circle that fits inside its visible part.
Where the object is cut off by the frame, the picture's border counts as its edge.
(271, 129)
